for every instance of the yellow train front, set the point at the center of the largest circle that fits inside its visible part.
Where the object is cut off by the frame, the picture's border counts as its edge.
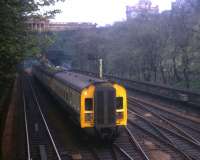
(98, 106)
(103, 107)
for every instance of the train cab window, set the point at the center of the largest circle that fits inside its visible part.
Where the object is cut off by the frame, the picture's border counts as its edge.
(88, 104)
(119, 102)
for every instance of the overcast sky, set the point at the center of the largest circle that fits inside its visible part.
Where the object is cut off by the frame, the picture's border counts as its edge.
(98, 11)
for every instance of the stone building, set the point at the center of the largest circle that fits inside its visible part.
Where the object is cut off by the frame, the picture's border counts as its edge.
(143, 6)
(42, 25)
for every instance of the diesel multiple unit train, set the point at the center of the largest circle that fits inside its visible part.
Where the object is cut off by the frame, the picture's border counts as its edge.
(97, 105)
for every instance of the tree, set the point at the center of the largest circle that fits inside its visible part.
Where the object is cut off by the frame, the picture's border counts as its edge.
(15, 39)
(161, 48)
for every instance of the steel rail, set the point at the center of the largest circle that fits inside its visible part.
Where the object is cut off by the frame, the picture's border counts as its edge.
(43, 118)
(170, 123)
(170, 111)
(137, 143)
(123, 151)
(26, 126)
(168, 142)
(177, 134)
(162, 140)
(182, 124)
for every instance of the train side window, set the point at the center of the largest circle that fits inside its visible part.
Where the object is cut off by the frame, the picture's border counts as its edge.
(88, 104)
(119, 102)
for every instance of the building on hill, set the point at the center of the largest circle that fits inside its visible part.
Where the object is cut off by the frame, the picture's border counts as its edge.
(143, 6)
(43, 25)
(61, 26)
(40, 25)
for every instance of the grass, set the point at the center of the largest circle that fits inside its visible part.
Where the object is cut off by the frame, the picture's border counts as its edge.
(194, 85)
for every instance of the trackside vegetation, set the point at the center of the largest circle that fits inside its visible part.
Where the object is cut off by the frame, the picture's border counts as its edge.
(160, 48)
(16, 41)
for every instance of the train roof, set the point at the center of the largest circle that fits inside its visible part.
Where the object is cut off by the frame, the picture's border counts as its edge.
(73, 79)
(76, 80)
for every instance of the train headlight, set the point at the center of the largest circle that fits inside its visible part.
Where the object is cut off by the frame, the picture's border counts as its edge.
(119, 102)
(88, 104)
(119, 115)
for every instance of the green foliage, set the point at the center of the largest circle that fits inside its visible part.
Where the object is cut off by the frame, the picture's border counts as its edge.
(38, 43)
(16, 41)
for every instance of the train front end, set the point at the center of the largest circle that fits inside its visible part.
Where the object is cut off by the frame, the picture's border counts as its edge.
(104, 108)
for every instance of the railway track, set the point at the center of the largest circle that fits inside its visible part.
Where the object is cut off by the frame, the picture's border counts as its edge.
(90, 151)
(124, 147)
(59, 124)
(173, 125)
(39, 140)
(186, 126)
(175, 135)
(154, 143)
(129, 146)
(145, 138)
(167, 112)
(119, 150)
(181, 107)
